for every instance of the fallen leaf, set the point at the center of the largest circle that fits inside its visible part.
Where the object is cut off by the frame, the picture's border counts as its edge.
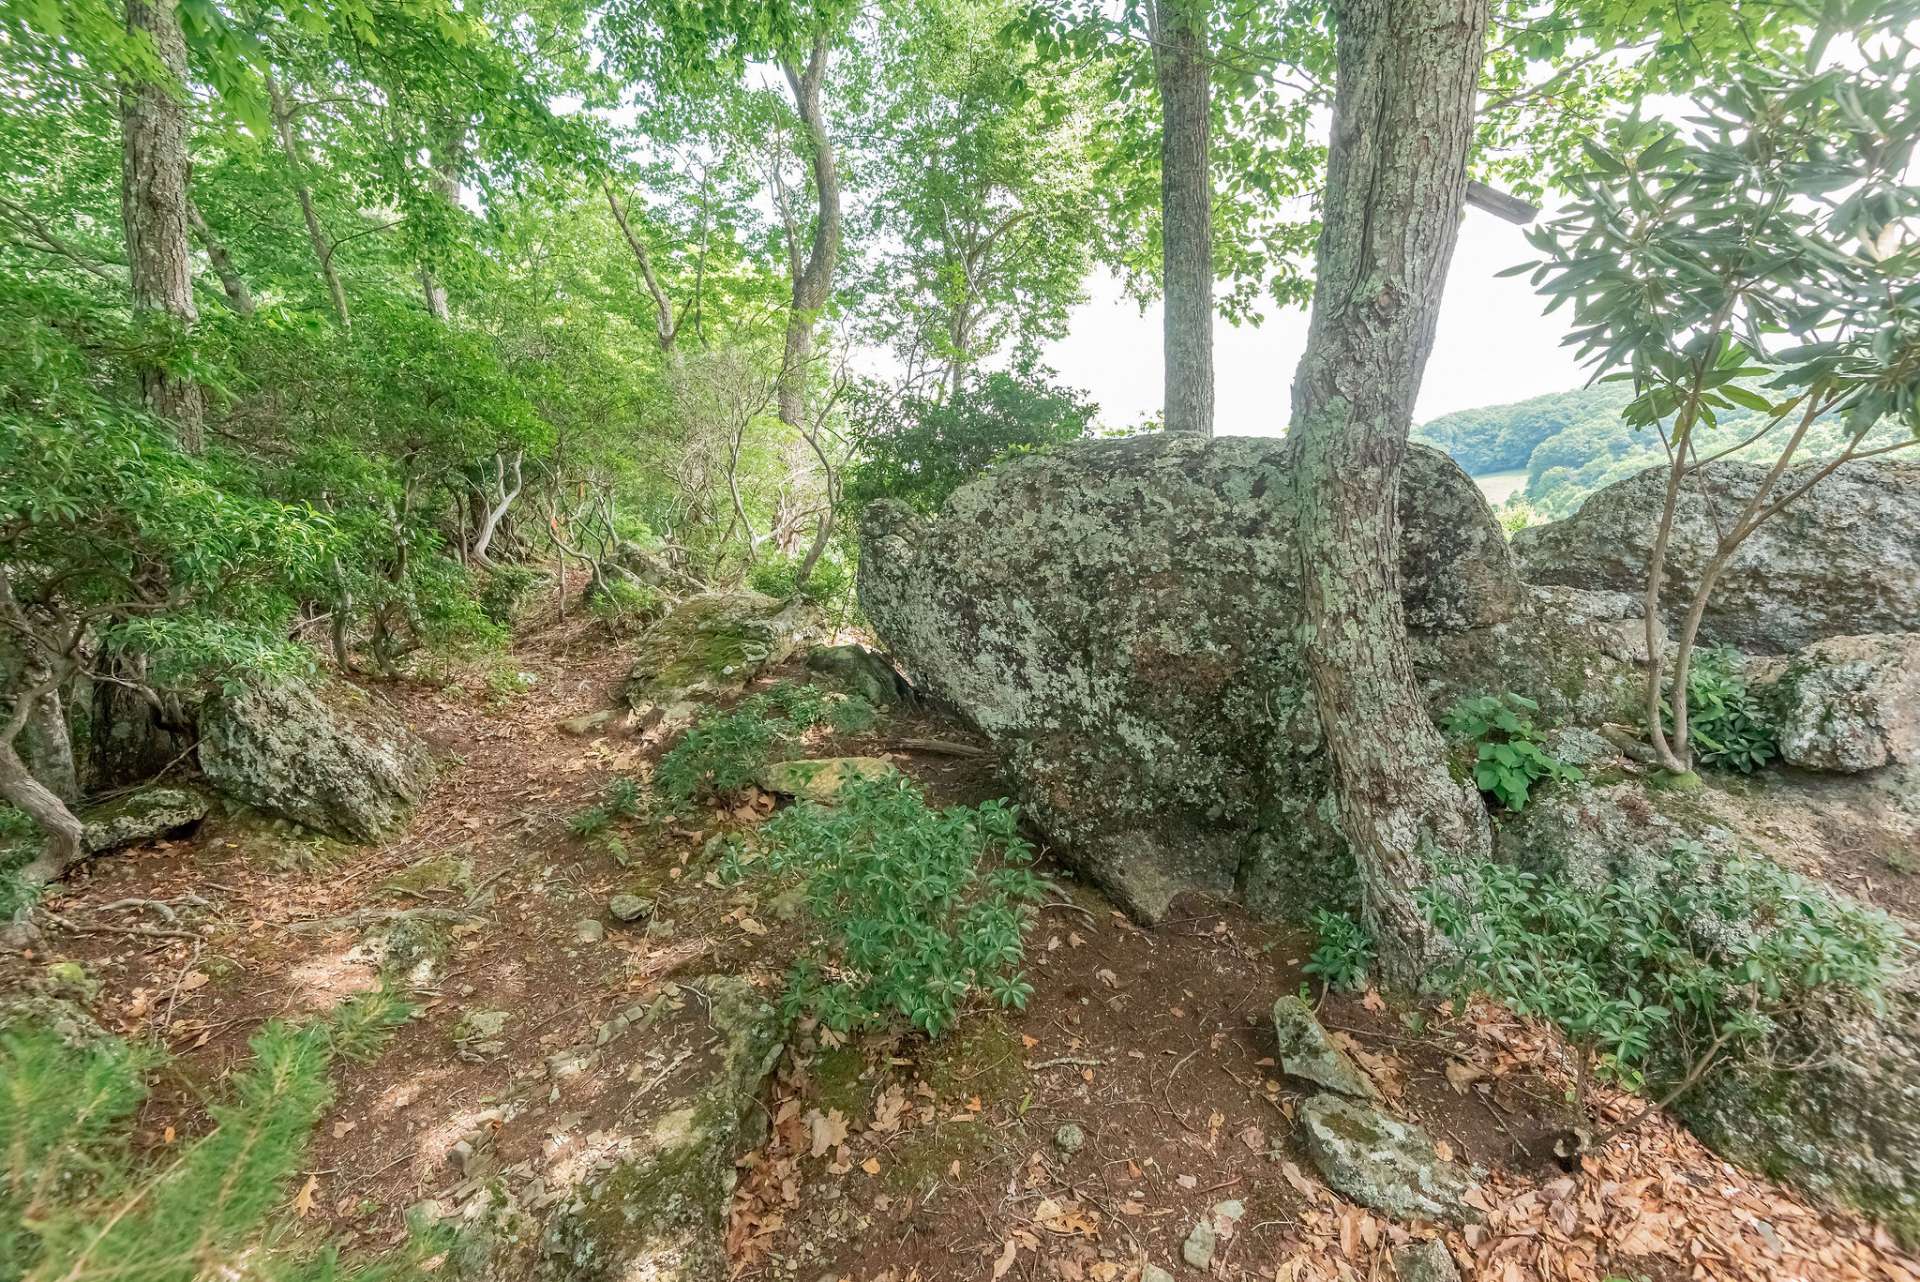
(1005, 1262)
(871, 1166)
(827, 1130)
(1460, 1076)
(303, 1200)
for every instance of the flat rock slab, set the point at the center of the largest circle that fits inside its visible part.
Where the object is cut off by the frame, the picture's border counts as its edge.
(1382, 1162)
(821, 779)
(141, 816)
(1307, 1052)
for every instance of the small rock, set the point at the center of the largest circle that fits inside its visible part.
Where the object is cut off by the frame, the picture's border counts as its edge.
(1200, 1245)
(589, 722)
(1382, 1162)
(659, 928)
(1427, 1261)
(1154, 1273)
(589, 930)
(1069, 1138)
(629, 907)
(820, 780)
(1308, 1053)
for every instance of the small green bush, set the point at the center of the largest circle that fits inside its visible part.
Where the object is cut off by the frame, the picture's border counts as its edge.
(504, 592)
(626, 605)
(620, 799)
(1344, 952)
(831, 580)
(1646, 975)
(1726, 723)
(1509, 760)
(77, 1203)
(919, 915)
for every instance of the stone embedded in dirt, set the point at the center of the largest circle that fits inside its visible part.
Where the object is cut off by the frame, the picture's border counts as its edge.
(629, 908)
(1154, 1273)
(1383, 1163)
(476, 1037)
(859, 671)
(1120, 619)
(661, 1210)
(712, 644)
(1427, 1261)
(1844, 559)
(589, 722)
(1200, 1245)
(328, 757)
(822, 779)
(140, 816)
(1069, 1138)
(1307, 1052)
(1849, 704)
(589, 930)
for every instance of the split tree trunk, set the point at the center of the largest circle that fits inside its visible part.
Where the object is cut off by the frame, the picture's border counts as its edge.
(231, 280)
(1181, 70)
(153, 206)
(1396, 176)
(812, 281)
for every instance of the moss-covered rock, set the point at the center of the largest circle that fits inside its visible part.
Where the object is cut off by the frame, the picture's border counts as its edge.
(141, 816)
(1849, 704)
(711, 644)
(328, 757)
(661, 1212)
(1121, 619)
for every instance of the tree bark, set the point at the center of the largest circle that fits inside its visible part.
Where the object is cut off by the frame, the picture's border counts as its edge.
(665, 327)
(1182, 71)
(813, 278)
(449, 154)
(1396, 176)
(153, 206)
(231, 280)
(495, 512)
(296, 154)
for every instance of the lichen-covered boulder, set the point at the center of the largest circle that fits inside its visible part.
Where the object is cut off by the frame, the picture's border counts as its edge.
(1379, 1161)
(140, 816)
(860, 671)
(821, 779)
(1842, 560)
(711, 644)
(1849, 704)
(660, 1213)
(329, 757)
(1121, 620)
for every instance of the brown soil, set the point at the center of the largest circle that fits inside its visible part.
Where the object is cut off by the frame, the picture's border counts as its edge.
(1156, 1044)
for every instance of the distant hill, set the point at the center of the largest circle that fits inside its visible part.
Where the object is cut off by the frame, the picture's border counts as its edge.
(1573, 443)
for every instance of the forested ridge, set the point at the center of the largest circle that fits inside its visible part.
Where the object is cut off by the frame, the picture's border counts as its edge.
(577, 702)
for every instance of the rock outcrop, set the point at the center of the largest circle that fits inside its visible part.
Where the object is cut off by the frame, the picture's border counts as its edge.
(1834, 1104)
(140, 816)
(712, 644)
(328, 757)
(1121, 620)
(1842, 560)
(1849, 704)
(1382, 1162)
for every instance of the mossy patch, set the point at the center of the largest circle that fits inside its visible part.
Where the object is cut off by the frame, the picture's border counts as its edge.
(426, 876)
(982, 1057)
(839, 1080)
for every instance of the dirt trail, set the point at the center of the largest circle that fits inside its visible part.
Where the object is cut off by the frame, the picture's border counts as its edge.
(1078, 1139)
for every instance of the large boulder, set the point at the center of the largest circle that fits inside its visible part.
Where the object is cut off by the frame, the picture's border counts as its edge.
(329, 757)
(1843, 559)
(1849, 704)
(1121, 620)
(712, 644)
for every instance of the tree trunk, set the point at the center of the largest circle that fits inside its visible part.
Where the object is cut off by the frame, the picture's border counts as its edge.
(1181, 68)
(449, 154)
(813, 279)
(296, 154)
(231, 280)
(665, 327)
(495, 512)
(65, 835)
(47, 747)
(153, 205)
(1396, 176)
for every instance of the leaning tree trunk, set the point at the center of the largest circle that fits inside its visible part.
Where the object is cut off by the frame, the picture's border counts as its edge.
(1396, 177)
(1181, 71)
(153, 206)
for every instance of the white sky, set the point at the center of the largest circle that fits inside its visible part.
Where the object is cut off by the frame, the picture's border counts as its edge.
(1493, 346)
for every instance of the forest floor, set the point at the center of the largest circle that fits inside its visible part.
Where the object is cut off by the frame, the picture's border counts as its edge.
(1082, 1138)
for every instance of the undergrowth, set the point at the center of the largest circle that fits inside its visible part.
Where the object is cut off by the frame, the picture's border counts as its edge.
(1509, 759)
(1343, 953)
(79, 1203)
(724, 750)
(923, 908)
(1726, 723)
(1656, 976)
